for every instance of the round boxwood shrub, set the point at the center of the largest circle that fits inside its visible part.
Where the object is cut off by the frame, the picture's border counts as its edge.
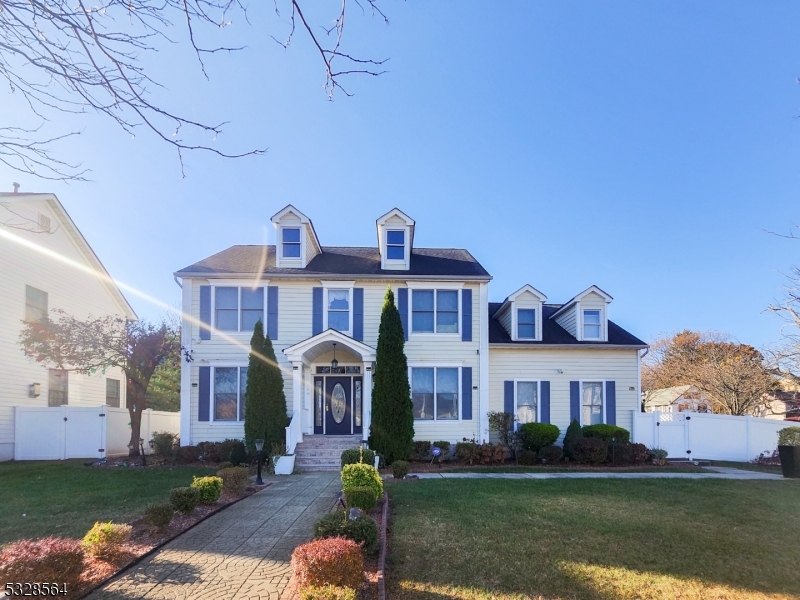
(550, 454)
(361, 497)
(399, 469)
(607, 432)
(104, 539)
(590, 451)
(49, 559)
(164, 443)
(210, 488)
(620, 454)
(360, 475)
(535, 436)
(234, 479)
(421, 451)
(639, 454)
(327, 592)
(353, 456)
(572, 435)
(328, 561)
(226, 464)
(184, 499)
(528, 457)
(188, 454)
(362, 530)
(159, 515)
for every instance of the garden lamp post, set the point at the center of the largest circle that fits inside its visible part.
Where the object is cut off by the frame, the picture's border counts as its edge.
(259, 447)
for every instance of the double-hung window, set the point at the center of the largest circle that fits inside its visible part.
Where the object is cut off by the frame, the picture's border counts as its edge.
(238, 309)
(396, 245)
(527, 401)
(290, 242)
(35, 304)
(591, 324)
(112, 392)
(526, 323)
(434, 311)
(57, 387)
(434, 393)
(339, 310)
(592, 403)
(230, 385)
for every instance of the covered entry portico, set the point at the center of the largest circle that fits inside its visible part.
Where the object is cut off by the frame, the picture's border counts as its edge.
(328, 399)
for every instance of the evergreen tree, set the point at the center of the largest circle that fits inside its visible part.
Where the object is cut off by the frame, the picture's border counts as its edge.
(277, 418)
(392, 428)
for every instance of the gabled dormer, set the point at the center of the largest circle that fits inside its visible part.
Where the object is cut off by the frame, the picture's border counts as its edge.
(521, 314)
(586, 315)
(296, 243)
(395, 240)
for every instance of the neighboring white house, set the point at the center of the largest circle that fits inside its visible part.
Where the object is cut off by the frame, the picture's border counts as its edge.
(43, 267)
(466, 356)
(679, 398)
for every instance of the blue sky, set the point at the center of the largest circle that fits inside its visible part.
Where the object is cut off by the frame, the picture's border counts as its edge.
(641, 147)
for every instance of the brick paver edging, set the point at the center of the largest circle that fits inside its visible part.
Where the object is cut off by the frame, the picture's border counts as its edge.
(158, 547)
(382, 551)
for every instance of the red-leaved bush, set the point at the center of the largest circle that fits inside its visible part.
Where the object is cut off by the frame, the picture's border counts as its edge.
(328, 561)
(51, 560)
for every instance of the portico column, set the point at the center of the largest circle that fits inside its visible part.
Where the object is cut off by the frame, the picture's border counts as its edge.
(297, 389)
(367, 401)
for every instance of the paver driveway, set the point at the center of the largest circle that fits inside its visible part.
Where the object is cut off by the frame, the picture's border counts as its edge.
(241, 553)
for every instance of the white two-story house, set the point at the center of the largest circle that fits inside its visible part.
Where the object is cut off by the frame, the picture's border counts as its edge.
(321, 307)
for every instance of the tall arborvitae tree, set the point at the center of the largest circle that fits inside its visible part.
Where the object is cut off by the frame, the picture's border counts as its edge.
(392, 428)
(277, 419)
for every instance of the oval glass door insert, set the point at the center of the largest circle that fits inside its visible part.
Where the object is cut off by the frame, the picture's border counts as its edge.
(338, 403)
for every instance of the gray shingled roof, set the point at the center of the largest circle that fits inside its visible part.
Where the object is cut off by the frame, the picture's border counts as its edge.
(425, 262)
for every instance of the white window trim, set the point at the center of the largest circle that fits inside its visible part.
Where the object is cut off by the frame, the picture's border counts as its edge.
(396, 261)
(602, 382)
(435, 366)
(434, 289)
(212, 411)
(291, 259)
(601, 327)
(536, 323)
(237, 284)
(538, 398)
(338, 285)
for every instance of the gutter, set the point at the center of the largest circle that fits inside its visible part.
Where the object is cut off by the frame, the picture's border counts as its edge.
(334, 276)
(569, 346)
(175, 277)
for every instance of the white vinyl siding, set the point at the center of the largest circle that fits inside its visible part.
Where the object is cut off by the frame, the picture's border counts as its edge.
(569, 321)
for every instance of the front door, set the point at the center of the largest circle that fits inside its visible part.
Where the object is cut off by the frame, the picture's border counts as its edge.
(338, 403)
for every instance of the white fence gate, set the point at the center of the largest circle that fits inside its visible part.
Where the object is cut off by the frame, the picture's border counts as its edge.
(61, 432)
(707, 436)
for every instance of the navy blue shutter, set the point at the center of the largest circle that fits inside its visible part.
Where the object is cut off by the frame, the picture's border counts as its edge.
(204, 388)
(466, 315)
(611, 402)
(574, 401)
(508, 397)
(205, 311)
(466, 393)
(358, 314)
(316, 321)
(402, 307)
(545, 401)
(272, 312)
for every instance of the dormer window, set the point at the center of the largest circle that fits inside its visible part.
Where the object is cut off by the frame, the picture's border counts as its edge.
(526, 324)
(291, 242)
(396, 245)
(591, 324)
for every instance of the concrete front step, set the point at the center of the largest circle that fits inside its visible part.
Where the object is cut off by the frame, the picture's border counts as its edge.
(323, 452)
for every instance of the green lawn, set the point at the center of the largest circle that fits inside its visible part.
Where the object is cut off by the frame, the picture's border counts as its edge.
(65, 498)
(576, 469)
(776, 469)
(598, 539)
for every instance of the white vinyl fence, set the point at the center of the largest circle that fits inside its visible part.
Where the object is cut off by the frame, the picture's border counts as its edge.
(60, 432)
(707, 436)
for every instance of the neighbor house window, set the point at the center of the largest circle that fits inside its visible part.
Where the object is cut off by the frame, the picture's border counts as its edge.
(35, 304)
(526, 323)
(591, 324)
(112, 392)
(592, 401)
(339, 310)
(434, 311)
(290, 238)
(230, 385)
(57, 387)
(238, 309)
(396, 245)
(434, 393)
(527, 401)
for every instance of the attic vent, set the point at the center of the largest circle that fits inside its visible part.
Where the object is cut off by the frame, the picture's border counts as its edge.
(44, 222)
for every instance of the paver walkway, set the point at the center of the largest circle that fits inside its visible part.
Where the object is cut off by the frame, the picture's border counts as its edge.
(241, 553)
(711, 473)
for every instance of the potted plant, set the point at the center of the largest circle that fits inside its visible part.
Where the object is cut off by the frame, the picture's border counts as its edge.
(789, 451)
(282, 463)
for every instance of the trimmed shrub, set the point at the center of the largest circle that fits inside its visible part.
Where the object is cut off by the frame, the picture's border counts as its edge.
(159, 515)
(399, 469)
(233, 451)
(362, 476)
(50, 559)
(234, 479)
(327, 592)
(361, 497)
(490, 454)
(465, 451)
(421, 451)
(658, 453)
(574, 433)
(619, 454)
(225, 465)
(164, 443)
(188, 454)
(789, 436)
(535, 436)
(328, 561)
(184, 499)
(444, 446)
(210, 488)
(639, 454)
(362, 530)
(358, 455)
(550, 454)
(606, 432)
(209, 451)
(104, 539)
(528, 457)
(591, 451)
